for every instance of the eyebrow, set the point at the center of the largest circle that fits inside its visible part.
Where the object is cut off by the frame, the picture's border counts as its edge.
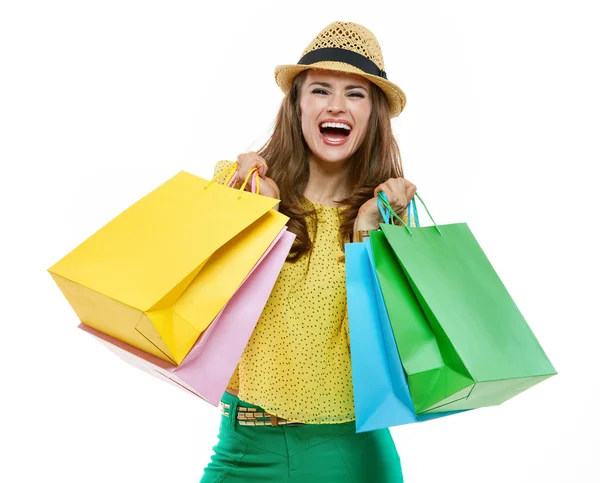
(325, 84)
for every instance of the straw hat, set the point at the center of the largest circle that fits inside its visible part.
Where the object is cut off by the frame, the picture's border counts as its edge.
(345, 47)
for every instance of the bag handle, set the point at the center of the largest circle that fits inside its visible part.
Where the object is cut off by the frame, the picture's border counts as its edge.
(232, 172)
(253, 186)
(385, 203)
(255, 181)
(385, 212)
(415, 213)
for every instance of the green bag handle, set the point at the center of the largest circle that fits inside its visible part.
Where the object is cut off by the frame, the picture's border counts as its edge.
(385, 203)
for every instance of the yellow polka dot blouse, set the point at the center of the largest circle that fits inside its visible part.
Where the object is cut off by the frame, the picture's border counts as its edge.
(297, 362)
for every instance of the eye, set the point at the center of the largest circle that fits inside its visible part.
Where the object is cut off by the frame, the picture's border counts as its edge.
(356, 94)
(319, 91)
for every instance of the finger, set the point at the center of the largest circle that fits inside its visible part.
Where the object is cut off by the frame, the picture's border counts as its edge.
(394, 190)
(399, 184)
(242, 158)
(262, 169)
(242, 165)
(253, 160)
(246, 163)
(402, 187)
(411, 189)
(408, 184)
(389, 193)
(379, 189)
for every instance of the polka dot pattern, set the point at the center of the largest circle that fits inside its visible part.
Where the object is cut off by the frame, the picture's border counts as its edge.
(297, 362)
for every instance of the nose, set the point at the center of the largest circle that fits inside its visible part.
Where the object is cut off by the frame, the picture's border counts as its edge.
(337, 104)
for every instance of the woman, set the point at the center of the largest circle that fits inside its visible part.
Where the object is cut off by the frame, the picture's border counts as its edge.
(288, 413)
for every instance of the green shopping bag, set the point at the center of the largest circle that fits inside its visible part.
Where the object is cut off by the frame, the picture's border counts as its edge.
(462, 340)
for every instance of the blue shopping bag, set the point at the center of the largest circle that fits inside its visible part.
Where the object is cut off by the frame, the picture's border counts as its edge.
(381, 394)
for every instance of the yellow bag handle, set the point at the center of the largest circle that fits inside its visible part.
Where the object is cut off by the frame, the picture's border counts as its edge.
(231, 171)
(252, 171)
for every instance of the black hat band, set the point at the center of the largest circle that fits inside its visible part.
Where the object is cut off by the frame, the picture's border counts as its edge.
(342, 55)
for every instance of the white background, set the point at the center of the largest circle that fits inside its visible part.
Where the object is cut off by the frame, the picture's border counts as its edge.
(101, 101)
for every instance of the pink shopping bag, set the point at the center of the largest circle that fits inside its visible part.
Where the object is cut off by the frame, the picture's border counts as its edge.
(208, 367)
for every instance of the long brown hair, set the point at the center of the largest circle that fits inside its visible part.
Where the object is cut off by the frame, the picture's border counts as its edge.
(287, 155)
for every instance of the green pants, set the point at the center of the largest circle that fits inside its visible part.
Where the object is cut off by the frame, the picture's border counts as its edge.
(311, 453)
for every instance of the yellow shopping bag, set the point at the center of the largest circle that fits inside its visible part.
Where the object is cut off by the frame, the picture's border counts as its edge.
(157, 275)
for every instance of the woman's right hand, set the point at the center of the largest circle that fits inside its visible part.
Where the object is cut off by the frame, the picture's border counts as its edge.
(399, 192)
(249, 161)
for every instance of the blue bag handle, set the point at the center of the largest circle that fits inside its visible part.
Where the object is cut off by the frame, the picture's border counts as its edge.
(385, 210)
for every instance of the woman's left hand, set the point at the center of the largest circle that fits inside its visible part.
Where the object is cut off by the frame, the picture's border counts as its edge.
(399, 192)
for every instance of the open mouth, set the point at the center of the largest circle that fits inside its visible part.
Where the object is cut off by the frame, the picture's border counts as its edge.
(335, 132)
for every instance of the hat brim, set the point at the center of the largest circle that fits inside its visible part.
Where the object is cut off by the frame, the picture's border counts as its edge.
(285, 74)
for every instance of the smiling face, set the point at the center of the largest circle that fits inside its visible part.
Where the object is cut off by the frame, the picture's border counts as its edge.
(335, 110)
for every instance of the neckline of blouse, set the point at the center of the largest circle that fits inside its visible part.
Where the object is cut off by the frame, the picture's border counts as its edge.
(320, 205)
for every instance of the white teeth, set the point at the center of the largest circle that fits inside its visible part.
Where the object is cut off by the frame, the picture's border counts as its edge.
(338, 125)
